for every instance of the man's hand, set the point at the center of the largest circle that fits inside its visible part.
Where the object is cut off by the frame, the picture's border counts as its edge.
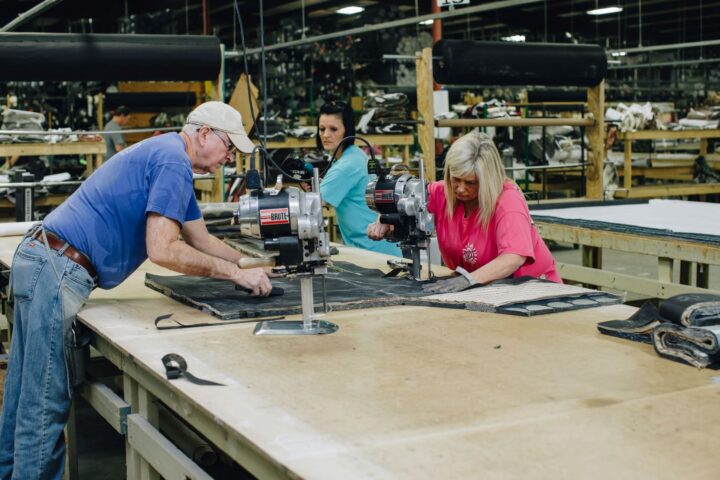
(255, 280)
(378, 231)
(449, 285)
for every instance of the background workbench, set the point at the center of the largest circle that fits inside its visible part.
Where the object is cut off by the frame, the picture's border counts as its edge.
(413, 392)
(653, 228)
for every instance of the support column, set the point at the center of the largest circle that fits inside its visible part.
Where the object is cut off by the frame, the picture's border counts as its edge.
(596, 138)
(426, 130)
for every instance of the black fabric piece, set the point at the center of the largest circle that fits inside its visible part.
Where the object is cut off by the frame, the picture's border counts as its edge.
(638, 327)
(463, 62)
(112, 57)
(176, 367)
(348, 287)
(161, 324)
(692, 309)
(556, 95)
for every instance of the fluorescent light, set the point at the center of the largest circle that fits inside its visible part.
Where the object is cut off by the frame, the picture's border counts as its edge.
(514, 38)
(605, 11)
(618, 54)
(351, 10)
(427, 22)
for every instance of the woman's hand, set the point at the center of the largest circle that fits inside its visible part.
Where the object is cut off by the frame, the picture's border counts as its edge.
(378, 231)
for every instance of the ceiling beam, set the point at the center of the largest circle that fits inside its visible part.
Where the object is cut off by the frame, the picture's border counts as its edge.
(25, 16)
(387, 25)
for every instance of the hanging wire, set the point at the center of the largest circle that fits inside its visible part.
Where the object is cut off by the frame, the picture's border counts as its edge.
(263, 71)
(639, 23)
(302, 7)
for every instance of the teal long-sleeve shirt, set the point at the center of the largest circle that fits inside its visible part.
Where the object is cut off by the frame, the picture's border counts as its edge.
(343, 187)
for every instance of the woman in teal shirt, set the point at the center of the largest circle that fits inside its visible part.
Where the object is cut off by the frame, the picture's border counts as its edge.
(344, 184)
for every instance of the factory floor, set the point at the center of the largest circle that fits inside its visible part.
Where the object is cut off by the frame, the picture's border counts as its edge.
(102, 450)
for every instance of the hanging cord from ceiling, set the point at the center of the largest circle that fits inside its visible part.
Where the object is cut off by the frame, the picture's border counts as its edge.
(302, 6)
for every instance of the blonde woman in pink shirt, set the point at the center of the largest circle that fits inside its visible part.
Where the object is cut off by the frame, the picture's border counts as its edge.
(483, 224)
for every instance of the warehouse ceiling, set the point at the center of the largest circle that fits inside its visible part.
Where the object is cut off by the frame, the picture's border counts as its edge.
(647, 22)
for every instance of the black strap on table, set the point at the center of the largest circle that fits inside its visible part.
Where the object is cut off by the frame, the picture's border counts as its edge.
(167, 316)
(176, 367)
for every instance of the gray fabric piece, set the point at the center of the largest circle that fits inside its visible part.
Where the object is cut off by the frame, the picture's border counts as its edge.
(698, 346)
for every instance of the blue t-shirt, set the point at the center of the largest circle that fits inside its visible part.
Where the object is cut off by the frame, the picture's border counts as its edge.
(105, 218)
(343, 187)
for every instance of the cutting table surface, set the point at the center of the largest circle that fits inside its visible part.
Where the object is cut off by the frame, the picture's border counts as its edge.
(415, 392)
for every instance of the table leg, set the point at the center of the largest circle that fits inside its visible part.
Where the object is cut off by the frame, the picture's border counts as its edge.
(143, 402)
(71, 452)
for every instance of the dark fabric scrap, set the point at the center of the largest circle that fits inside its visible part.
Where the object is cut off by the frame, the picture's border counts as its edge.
(638, 327)
(692, 309)
(348, 287)
(698, 346)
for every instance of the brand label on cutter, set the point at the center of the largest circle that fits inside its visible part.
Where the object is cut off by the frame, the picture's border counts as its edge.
(384, 196)
(274, 216)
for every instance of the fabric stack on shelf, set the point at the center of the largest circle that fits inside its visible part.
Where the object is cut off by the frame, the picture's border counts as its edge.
(703, 119)
(385, 114)
(491, 109)
(634, 117)
(22, 120)
(685, 327)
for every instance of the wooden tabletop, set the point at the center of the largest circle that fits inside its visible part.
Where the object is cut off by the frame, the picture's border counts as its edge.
(418, 392)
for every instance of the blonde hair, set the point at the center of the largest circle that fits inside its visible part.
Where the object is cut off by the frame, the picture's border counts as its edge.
(475, 153)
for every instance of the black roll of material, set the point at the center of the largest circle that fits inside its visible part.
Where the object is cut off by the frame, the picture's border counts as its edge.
(150, 100)
(536, 96)
(57, 56)
(465, 62)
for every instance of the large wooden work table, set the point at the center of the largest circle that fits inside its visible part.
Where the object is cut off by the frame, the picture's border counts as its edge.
(410, 392)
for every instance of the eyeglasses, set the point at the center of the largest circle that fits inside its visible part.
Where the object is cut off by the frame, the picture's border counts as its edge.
(229, 145)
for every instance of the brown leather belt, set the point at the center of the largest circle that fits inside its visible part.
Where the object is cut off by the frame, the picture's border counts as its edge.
(57, 243)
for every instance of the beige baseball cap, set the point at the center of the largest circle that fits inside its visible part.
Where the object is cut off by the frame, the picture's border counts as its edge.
(224, 118)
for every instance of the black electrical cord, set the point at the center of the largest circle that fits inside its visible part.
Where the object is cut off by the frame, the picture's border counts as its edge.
(262, 146)
(247, 72)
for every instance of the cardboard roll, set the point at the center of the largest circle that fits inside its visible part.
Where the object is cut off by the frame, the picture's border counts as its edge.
(111, 57)
(465, 62)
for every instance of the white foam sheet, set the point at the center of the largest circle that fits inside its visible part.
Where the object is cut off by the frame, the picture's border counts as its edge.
(678, 216)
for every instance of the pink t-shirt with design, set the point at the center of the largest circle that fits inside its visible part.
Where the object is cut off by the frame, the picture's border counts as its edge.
(464, 243)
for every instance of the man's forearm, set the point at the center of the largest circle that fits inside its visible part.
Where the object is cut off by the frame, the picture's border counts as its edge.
(217, 248)
(183, 258)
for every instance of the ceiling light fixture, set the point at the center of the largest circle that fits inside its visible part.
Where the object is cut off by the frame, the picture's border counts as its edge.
(427, 22)
(514, 38)
(604, 11)
(618, 54)
(351, 10)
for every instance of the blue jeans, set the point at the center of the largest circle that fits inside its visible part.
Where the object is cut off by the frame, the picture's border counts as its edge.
(37, 392)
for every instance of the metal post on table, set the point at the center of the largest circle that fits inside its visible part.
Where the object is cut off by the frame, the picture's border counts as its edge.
(24, 201)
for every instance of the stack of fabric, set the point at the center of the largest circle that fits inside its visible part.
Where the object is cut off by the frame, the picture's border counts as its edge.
(493, 108)
(685, 327)
(22, 120)
(389, 114)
